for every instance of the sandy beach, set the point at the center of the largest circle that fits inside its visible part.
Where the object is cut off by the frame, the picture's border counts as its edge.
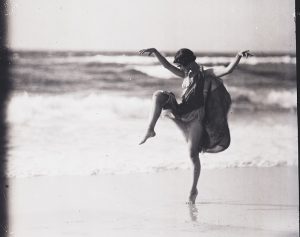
(231, 202)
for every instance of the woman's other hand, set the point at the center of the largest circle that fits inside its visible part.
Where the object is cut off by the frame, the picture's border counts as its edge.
(149, 51)
(245, 53)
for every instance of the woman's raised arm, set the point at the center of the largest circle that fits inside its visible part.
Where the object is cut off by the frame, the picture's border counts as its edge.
(222, 71)
(163, 61)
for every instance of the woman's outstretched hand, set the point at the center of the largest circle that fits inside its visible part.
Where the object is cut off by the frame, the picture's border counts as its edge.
(149, 51)
(245, 53)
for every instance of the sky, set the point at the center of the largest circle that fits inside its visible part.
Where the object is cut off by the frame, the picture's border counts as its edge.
(130, 25)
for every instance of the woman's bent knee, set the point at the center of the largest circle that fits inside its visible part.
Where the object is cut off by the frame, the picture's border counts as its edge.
(159, 94)
(160, 97)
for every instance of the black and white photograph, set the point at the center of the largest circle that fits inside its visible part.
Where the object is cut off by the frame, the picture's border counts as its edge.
(151, 118)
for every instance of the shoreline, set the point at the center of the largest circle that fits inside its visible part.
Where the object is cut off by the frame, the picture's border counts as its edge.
(231, 202)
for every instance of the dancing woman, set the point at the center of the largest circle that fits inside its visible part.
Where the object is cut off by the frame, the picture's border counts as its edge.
(202, 113)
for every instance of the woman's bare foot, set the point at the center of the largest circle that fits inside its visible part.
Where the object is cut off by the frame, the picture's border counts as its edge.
(150, 133)
(193, 196)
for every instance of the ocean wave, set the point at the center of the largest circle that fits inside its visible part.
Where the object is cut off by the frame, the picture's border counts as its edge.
(283, 99)
(98, 134)
(251, 61)
(114, 106)
(156, 71)
(99, 59)
(264, 73)
(143, 60)
(265, 99)
(23, 106)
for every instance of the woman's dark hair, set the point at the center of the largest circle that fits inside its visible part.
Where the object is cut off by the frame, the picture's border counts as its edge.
(184, 57)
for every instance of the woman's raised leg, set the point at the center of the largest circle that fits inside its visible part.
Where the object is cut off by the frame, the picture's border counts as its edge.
(159, 99)
(195, 134)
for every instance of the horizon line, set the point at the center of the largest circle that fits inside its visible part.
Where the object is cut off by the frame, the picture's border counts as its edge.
(168, 52)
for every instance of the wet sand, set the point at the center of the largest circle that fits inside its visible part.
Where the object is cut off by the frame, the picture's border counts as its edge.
(231, 202)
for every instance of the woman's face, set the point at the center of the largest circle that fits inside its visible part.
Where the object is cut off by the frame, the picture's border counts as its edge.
(183, 68)
(192, 67)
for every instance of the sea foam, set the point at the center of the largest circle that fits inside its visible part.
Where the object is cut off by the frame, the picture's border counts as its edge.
(26, 106)
(82, 135)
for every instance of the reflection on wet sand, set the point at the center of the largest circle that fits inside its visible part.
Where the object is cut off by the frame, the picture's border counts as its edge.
(193, 212)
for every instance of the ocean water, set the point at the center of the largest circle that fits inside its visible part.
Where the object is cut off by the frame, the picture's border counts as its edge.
(83, 113)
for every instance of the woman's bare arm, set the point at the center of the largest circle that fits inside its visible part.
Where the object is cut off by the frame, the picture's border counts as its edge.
(163, 61)
(222, 71)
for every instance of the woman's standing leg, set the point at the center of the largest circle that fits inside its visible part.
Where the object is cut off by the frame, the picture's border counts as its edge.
(159, 99)
(181, 125)
(195, 135)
